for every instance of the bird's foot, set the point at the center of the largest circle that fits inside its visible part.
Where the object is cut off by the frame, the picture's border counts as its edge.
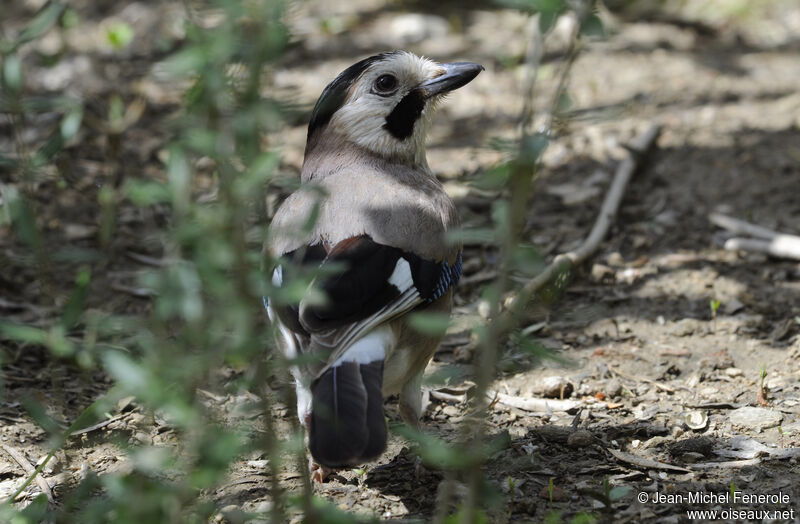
(318, 472)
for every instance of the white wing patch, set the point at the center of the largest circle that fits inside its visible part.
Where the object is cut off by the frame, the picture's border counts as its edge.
(277, 276)
(401, 276)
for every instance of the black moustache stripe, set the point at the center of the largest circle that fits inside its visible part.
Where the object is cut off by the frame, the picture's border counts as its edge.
(400, 122)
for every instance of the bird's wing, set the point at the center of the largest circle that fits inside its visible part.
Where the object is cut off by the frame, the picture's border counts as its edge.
(378, 283)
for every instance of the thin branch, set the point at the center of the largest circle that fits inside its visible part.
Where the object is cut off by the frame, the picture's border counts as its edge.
(740, 227)
(564, 263)
(32, 473)
(766, 240)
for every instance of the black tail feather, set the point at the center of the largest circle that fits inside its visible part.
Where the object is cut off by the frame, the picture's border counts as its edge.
(347, 425)
(372, 376)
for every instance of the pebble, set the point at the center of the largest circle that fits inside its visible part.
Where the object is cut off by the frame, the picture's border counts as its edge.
(580, 439)
(613, 388)
(734, 372)
(555, 387)
(691, 457)
(450, 411)
(685, 327)
(601, 273)
(143, 437)
(615, 260)
(755, 418)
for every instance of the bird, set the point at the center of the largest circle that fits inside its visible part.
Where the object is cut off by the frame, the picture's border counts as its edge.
(369, 205)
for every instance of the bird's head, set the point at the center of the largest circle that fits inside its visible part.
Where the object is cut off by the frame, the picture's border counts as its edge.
(383, 104)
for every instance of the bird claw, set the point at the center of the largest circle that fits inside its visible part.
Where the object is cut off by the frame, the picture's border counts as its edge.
(318, 472)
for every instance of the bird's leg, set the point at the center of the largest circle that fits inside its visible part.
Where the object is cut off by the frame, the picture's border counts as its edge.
(410, 412)
(318, 472)
(411, 402)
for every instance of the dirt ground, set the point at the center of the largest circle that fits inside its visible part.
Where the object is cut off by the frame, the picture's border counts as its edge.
(663, 386)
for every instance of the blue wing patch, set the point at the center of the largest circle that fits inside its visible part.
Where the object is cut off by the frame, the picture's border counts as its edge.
(449, 278)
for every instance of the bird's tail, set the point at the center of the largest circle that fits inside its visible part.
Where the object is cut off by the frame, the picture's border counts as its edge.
(347, 425)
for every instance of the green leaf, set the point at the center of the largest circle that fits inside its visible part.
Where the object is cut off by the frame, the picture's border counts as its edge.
(116, 111)
(429, 322)
(433, 450)
(564, 102)
(127, 373)
(618, 492)
(535, 6)
(187, 61)
(264, 165)
(472, 236)
(74, 307)
(39, 415)
(583, 518)
(547, 20)
(119, 35)
(179, 177)
(479, 517)
(41, 23)
(593, 26)
(48, 150)
(33, 513)
(527, 260)
(70, 19)
(12, 73)
(146, 192)
(494, 178)
(532, 146)
(549, 6)
(22, 216)
(23, 333)
(71, 123)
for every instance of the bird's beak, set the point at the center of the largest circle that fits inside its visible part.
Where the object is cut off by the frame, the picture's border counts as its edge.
(456, 74)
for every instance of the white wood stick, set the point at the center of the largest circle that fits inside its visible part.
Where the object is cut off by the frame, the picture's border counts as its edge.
(538, 405)
(783, 246)
(740, 227)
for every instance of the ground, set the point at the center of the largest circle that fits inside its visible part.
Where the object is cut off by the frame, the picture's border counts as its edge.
(654, 372)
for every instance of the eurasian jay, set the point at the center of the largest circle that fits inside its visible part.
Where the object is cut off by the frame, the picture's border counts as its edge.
(382, 217)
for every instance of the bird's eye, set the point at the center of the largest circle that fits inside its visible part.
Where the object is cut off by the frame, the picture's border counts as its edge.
(385, 84)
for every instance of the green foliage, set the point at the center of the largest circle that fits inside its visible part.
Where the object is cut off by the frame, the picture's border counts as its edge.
(205, 292)
(119, 35)
(205, 298)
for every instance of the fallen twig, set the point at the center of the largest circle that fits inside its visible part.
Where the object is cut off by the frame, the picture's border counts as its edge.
(540, 405)
(645, 462)
(564, 263)
(99, 425)
(764, 240)
(147, 260)
(740, 227)
(447, 397)
(728, 464)
(662, 387)
(782, 246)
(20, 459)
(763, 453)
(137, 292)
